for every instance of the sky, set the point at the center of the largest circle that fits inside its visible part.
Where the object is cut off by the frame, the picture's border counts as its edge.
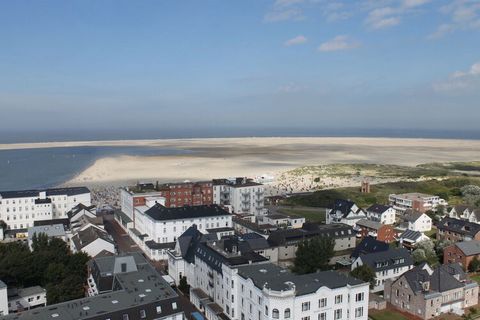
(139, 65)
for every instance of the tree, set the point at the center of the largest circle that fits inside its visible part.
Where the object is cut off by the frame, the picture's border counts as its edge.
(313, 255)
(183, 286)
(471, 194)
(425, 252)
(474, 265)
(364, 273)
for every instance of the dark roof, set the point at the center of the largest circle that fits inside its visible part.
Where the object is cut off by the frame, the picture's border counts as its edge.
(72, 191)
(223, 229)
(411, 235)
(78, 208)
(284, 236)
(188, 243)
(385, 260)
(237, 183)
(462, 227)
(469, 248)
(43, 201)
(369, 245)
(378, 208)
(277, 216)
(64, 221)
(277, 278)
(84, 237)
(155, 245)
(159, 212)
(412, 215)
(343, 206)
(369, 224)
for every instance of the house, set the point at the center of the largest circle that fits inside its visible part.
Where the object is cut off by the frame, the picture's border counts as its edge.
(409, 238)
(382, 232)
(464, 212)
(283, 220)
(134, 290)
(417, 221)
(51, 231)
(92, 240)
(344, 211)
(416, 201)
(21, 299)
(462, 253)
(389, 264)
(381, 213)
(457, 230)
(427, 293)
(369, 245)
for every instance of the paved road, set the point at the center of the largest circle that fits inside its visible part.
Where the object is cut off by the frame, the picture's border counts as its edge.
(122, 239)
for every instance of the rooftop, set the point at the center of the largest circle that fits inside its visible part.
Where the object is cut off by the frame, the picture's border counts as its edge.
(469, 248)
(54, 230)
(378, 208)
(50, 192)
(159, 212)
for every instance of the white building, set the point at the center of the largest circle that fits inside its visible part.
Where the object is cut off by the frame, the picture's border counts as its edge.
(240, 195)
(417, 201)
(19, 209)
(283, 220)
(156, 228)
(3, 299)
(389, 264)
(417, 221)
(346, 212)
(26, 298)
(381, 213)
(92, 240)
(463, 212)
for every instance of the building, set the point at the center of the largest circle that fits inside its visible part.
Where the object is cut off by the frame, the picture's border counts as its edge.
(92, 240)
(427, 293)
(463, 212)
(382, 232)
(389, 264)
(282, 220)
(416, 201)
(229, 285)
(287, 240)
(417, 221)
(456, 230)
(22, 299)
(462, 253)
(409, 239)
(243, 225)
(381, 213)
(51, 231)
(240, 196)
(3, 299)
(156, 227)
(20, 209)
(369, 245)
(344, 211)
(137, 291)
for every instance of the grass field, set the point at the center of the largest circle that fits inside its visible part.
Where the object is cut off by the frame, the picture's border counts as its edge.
(387, 315)
(448, 188)
(311, 214)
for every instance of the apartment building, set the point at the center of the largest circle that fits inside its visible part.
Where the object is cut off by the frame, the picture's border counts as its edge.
(456, 230)
(381, 213)
(133, 290)
(240, 195)
(416, 201)
(462, 253)
(344, 211)
(20, 209)
(427, 293)
(381, 232)
(389, 264)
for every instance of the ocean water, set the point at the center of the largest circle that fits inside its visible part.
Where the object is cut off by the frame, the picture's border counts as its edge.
(49, 167)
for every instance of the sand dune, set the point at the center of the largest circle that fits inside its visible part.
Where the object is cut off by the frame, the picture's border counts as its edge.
(227, 157)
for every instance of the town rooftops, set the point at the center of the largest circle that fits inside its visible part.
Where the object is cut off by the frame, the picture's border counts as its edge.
(458, 226)
(54, 230)
(378, 208)
(385, 260)
(369, 245)
(309, 230)
(469, 248)
(159, 212)
(84, 237)
(273, 277)
(49, 192)
(141, 289)
(369, 224)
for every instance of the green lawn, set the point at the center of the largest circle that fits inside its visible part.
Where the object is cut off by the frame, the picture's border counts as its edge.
(476, 278)
(311, 214)
(387, 315)
(431, 233)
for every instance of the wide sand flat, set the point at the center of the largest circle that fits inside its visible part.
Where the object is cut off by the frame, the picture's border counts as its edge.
(226, 157)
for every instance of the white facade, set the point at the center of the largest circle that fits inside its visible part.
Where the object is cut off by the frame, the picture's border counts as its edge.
(353, 215)
(416, 201)
(422, 224)
(3, 299)
(384, 217)
(27, 298)
(241, 198)
(19, 209)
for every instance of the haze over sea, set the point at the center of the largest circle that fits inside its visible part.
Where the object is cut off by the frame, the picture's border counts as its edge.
(49, 167)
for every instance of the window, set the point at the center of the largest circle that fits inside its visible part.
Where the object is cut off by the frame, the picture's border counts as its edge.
(359, 297)
(305, 306)
(143, 315)
(322, 316)
(358, 312)
(266, 310)
(337, 314)
(174, 305)
(338, 299)
(125, 317)
(275, 314)
(286, 313)
(322, 303)
(305, 318)
(159, 309)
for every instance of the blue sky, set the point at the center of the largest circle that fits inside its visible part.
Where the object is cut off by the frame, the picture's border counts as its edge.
(245, 63)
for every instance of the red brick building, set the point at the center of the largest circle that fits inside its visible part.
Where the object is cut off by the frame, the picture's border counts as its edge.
(187, 194)
(462, 252)
(381, 232)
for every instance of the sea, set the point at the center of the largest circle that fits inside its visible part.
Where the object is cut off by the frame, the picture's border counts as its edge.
(49, 167)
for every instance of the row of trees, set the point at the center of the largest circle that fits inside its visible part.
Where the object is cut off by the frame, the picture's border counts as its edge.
(50, 264)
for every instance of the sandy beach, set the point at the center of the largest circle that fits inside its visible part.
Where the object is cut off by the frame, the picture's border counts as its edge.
(227, 157)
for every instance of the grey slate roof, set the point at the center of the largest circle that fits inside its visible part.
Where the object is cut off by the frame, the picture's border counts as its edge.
(50, 192)
(276, 278)
(442, 278)
(159, 212)
(387, 259)
(378, 208)
(412, 215)
(459, 226)
(343, 206)
(411, 235)
(369, 245)
(469, 248)
(369, 224)
(55, 230)
(84, 237)
(156, 246)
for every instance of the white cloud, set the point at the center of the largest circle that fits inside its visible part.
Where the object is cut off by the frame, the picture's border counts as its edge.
(385, 16)
(414, 3)
(461, 81)
(341, 42)
(284, 10)
(295, 41)
(463, 14)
